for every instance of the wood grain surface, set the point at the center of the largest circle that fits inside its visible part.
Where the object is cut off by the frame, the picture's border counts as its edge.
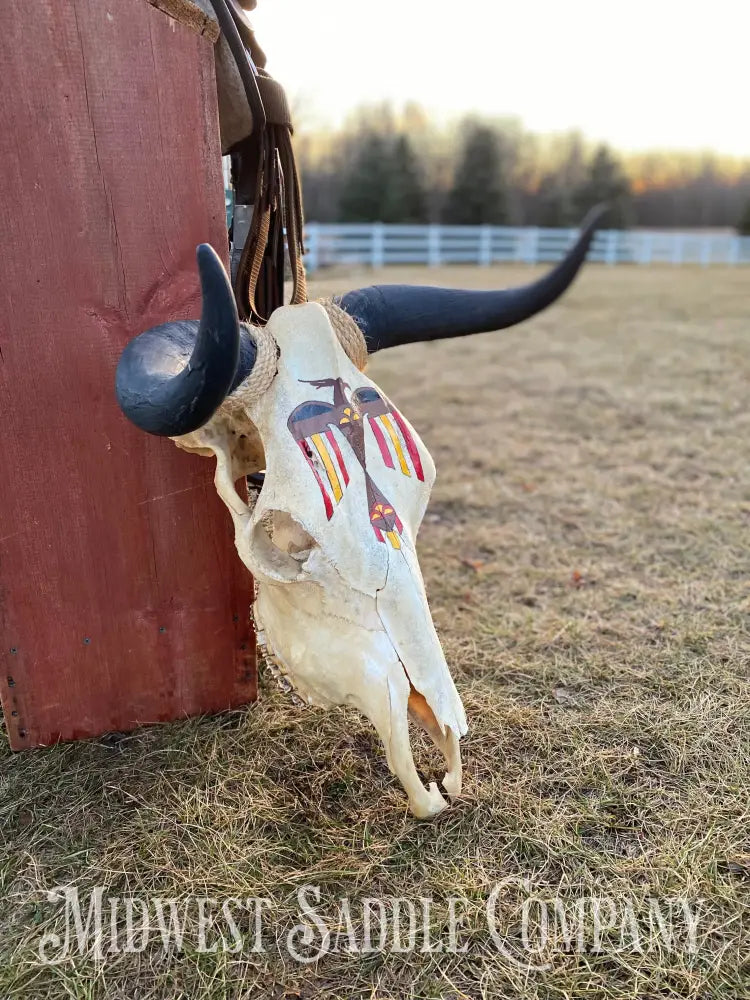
(122, 600)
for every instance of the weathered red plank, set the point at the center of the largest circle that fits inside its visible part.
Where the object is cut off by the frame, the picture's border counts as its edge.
(121, 598)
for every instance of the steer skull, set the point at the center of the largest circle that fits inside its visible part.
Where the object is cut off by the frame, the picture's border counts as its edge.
(330, 540)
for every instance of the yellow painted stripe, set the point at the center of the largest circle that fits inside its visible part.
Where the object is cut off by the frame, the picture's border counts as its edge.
(333, 479)
(386, 421)
(393, 539)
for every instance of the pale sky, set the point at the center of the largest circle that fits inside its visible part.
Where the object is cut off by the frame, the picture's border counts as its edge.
(640, 75)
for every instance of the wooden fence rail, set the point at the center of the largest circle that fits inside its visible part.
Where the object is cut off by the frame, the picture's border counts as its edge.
(377, 244)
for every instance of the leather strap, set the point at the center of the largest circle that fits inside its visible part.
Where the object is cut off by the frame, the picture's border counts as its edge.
(277, 202)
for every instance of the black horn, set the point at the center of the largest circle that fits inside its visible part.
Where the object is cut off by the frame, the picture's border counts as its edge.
(171, 379)
(390, 315)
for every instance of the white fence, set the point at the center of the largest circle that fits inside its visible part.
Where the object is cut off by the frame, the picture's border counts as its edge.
(376, 244)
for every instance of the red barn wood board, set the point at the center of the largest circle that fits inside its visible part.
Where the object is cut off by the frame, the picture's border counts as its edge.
(122, 600)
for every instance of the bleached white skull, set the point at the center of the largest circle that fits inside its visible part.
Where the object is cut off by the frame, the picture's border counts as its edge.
(331, 538)
(331, 544)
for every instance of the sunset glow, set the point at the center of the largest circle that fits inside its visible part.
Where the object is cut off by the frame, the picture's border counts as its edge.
(638, 75)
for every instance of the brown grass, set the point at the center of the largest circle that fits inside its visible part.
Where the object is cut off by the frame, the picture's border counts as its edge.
(586, 557)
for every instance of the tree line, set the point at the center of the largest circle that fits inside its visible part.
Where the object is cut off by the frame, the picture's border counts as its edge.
(387, 167)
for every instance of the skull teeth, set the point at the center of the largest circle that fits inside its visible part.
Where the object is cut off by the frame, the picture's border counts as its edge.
(277, 671)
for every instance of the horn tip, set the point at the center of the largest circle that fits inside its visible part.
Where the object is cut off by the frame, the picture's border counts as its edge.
(595, 215)
(215, 282)
(206, 256)
(204, 248)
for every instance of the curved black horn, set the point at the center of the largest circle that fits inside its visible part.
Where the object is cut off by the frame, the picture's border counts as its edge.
(172, 378)
(389, 315)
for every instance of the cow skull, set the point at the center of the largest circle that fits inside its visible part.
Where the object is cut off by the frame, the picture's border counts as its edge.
(330, 540)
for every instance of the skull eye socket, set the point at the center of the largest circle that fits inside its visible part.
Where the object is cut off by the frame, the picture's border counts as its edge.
(280, 546)
(289, 536)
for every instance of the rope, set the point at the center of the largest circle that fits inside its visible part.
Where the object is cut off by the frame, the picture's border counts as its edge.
(262, 375)
(350, 336)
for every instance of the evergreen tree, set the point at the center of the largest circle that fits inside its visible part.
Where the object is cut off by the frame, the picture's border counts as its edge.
(556, 206)
(543, 180)
(478, 194)
(743, 226)
(606, 181)
(365, 182)
(405, 199)
(555, 197)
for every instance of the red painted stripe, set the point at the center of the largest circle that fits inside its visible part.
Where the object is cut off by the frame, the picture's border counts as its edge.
(398, 525)
(411, 446)
(339, 458)
(379, 437)
(326, 499)
(378, 534)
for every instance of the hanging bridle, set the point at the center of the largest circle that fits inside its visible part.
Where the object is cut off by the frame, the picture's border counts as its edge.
(268, 216)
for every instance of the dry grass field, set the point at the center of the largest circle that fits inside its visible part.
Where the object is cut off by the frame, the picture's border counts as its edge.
(586, 557)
